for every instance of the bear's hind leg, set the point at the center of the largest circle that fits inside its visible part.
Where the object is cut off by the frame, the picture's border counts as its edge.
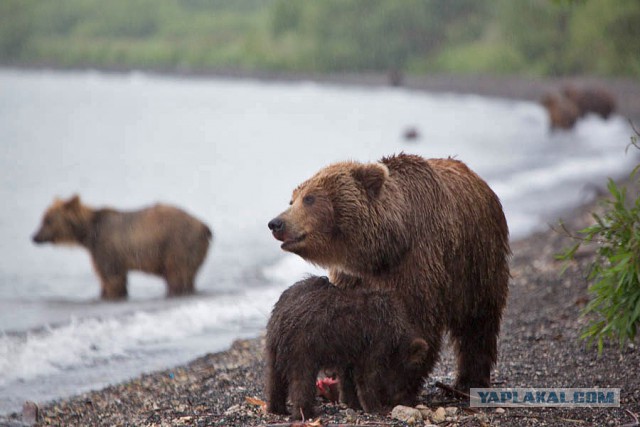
(348, 393)
(371, 391)
(476, 345)
(179, 282)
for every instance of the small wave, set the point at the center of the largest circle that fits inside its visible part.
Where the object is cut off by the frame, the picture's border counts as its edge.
(91, 341)
(538, 179)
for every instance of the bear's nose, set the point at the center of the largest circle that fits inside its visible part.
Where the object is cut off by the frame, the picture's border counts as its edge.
(276, 224)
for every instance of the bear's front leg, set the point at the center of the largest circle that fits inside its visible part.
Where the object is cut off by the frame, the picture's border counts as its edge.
(277, 389)
(114, 287)
(112, 274)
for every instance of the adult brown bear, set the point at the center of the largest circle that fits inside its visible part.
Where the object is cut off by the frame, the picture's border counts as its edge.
(431, 231)
(161, 240)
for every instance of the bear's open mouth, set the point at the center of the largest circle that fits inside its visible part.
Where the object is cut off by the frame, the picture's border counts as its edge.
(292, 242)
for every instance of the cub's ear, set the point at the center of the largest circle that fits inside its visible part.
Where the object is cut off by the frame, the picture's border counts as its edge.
(371, 176)
(73, 203)
(418, 352)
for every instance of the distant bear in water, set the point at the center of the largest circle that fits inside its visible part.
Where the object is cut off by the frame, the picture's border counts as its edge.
(563, 112)
(161, 240)
(591, 100)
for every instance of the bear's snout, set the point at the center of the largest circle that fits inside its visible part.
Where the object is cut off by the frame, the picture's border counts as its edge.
(39, 238)
(277, 227)
(276, 224)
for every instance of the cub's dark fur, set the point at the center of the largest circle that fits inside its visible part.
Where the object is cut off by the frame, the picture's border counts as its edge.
(363, 335)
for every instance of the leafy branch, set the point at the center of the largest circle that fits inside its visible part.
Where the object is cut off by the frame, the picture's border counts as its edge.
(615, 272)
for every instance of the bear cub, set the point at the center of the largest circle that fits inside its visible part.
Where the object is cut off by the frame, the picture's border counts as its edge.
(161, 240)
(364, 335)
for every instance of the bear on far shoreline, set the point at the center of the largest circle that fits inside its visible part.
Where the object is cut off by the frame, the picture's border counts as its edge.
(160, 240)
(563, 113)
(364, 335)
(429, 231)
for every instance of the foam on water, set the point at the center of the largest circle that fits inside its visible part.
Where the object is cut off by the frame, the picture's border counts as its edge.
(78, 355)
(88, 341)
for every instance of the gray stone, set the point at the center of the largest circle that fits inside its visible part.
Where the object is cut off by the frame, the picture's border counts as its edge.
(451, 411)
(407, 414)
(425, 411)
(439, 415)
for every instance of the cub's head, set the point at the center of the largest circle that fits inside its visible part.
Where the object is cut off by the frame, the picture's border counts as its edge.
(61, 222)
(330, 214)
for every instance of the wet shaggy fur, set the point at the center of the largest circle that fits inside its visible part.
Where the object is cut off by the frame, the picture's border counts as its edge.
(588, 99)
(432, 232)
(365, 336)
(563, 112)
(160, 240)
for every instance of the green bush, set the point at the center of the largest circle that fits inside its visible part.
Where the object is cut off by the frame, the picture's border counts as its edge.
(615, 272)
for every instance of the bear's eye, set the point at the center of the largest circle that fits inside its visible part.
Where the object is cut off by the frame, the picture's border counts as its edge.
(47, 221)
(308, 200)
(290, 202)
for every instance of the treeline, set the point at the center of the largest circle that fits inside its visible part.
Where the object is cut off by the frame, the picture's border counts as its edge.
(537, 37)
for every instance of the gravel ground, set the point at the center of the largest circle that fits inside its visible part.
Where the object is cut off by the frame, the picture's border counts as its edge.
(539, 347)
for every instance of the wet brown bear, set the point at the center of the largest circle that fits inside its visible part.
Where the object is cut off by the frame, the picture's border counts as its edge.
(563, 112)
(431, 231)
(364, 335)
(160, 240)
(591, 100)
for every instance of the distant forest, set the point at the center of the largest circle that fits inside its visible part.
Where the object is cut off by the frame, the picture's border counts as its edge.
(530, 37)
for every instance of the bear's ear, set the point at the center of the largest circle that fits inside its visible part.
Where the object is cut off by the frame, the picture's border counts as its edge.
(73, 203)
(418, 352)
(371, 176)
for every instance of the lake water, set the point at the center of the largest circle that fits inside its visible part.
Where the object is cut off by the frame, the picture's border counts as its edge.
(229, 152)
